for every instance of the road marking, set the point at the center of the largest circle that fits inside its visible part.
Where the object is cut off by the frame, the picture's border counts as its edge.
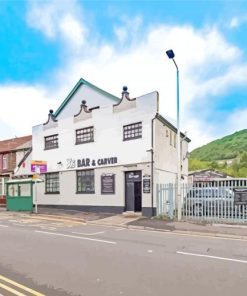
(212, 257)
(31, 291)
(190, 234)
(77, 237)
(120, 229)
(83, 233)
(4, 225)
(13, 291)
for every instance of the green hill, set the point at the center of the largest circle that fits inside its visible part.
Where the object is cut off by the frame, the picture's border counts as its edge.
(230, 147)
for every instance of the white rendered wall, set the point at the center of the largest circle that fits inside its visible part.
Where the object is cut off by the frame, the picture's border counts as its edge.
(91, 96)
(26, 170)
(68, 195)
(165, 155)
(108, 136)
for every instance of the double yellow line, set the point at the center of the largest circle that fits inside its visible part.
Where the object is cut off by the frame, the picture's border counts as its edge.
(16, 285)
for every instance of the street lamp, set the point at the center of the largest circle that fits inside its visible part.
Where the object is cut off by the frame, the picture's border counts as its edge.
(171, 55)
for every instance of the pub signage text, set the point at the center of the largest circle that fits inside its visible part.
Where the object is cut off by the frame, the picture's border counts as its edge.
(88, 162)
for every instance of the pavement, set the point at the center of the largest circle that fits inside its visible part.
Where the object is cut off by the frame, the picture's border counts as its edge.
(135, 222)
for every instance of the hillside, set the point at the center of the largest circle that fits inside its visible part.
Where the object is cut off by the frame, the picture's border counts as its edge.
(229, 147)
(215, 154)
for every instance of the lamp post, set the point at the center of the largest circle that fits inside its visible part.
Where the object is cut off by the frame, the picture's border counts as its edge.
(171, 55)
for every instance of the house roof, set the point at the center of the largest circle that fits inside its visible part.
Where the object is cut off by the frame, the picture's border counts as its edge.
(13, 144)
(76, 87)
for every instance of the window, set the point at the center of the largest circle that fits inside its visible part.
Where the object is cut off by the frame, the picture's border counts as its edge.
(52, 183)
(51, 142)
(175, 140)
(132, 131)
(85, 135)
(5, 161)
(170, 137)
(85, 181)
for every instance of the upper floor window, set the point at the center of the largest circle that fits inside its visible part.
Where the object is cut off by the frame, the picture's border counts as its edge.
(51, 142)
(5, 161)
(132, 131)
(170, 137)
(52, 183)
(84, 135)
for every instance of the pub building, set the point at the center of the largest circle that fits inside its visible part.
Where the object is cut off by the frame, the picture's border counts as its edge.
(105, 153)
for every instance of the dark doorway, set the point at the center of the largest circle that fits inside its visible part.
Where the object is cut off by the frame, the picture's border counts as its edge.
(133, 191)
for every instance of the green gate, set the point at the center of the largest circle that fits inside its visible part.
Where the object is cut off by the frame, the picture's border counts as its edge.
(19, 195)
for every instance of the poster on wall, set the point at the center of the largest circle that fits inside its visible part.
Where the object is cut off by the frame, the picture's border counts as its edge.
(240, 196)
(146, 185)
(108, 184)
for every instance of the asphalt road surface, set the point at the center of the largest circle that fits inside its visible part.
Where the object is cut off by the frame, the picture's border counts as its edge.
(61, 258)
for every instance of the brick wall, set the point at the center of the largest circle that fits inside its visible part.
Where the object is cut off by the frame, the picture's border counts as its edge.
(11, 161)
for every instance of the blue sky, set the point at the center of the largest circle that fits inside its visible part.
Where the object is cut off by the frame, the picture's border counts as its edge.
(46, 46)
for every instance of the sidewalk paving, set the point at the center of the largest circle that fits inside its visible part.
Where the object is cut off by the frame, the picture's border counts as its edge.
(192, 227)
(238, 231)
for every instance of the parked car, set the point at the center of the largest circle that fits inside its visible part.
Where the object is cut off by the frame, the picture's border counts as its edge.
(210, 201)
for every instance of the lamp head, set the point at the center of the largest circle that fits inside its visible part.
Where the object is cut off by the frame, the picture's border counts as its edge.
(170, 54)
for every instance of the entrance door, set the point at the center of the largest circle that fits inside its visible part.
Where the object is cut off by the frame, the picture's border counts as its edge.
(133, 191)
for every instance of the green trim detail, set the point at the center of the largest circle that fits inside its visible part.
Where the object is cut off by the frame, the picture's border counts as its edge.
(171, 126)
(74, 90)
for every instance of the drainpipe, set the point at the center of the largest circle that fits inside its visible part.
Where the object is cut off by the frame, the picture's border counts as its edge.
(152, 166)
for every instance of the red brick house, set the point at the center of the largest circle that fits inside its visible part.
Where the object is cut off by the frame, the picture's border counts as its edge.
(9, 162)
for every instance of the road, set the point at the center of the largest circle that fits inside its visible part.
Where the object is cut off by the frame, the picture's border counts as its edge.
(61, 258)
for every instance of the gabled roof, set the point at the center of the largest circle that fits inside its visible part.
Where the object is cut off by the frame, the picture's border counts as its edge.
(76, 87)
(13, 144)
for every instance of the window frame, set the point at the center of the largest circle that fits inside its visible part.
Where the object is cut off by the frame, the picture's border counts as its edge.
(53, 178)
(54, 140)
(81, 180)
(5, 161)
(90, 133)
(133, 130)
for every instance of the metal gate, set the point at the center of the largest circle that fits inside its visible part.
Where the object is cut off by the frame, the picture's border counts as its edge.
(218, 200)
(165, 202)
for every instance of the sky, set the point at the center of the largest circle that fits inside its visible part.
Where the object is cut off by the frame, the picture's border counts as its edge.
(47, 46)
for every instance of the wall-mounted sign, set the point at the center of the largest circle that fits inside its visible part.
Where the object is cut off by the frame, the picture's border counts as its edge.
(88, 162)
(146, 185)
(108, 184)
(38, 166)
(240, 196)
(134, 176)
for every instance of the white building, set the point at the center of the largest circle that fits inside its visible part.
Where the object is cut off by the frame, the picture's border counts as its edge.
(106, 154)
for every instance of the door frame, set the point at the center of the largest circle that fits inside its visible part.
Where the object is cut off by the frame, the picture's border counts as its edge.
(125, 186)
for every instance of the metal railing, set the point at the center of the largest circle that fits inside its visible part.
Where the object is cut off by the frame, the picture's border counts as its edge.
(218, 200)
(165, 200)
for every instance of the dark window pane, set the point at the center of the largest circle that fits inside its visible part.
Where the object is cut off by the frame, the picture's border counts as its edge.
(51, 142)
(52, 183)
(132, 131)
(85, 181)
(85, 135)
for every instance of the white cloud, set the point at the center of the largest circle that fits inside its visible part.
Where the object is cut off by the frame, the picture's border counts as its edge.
(128, 30)
(234, 23)
(237, 21)
(209, 66)
(58, 20)
(24, 106)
